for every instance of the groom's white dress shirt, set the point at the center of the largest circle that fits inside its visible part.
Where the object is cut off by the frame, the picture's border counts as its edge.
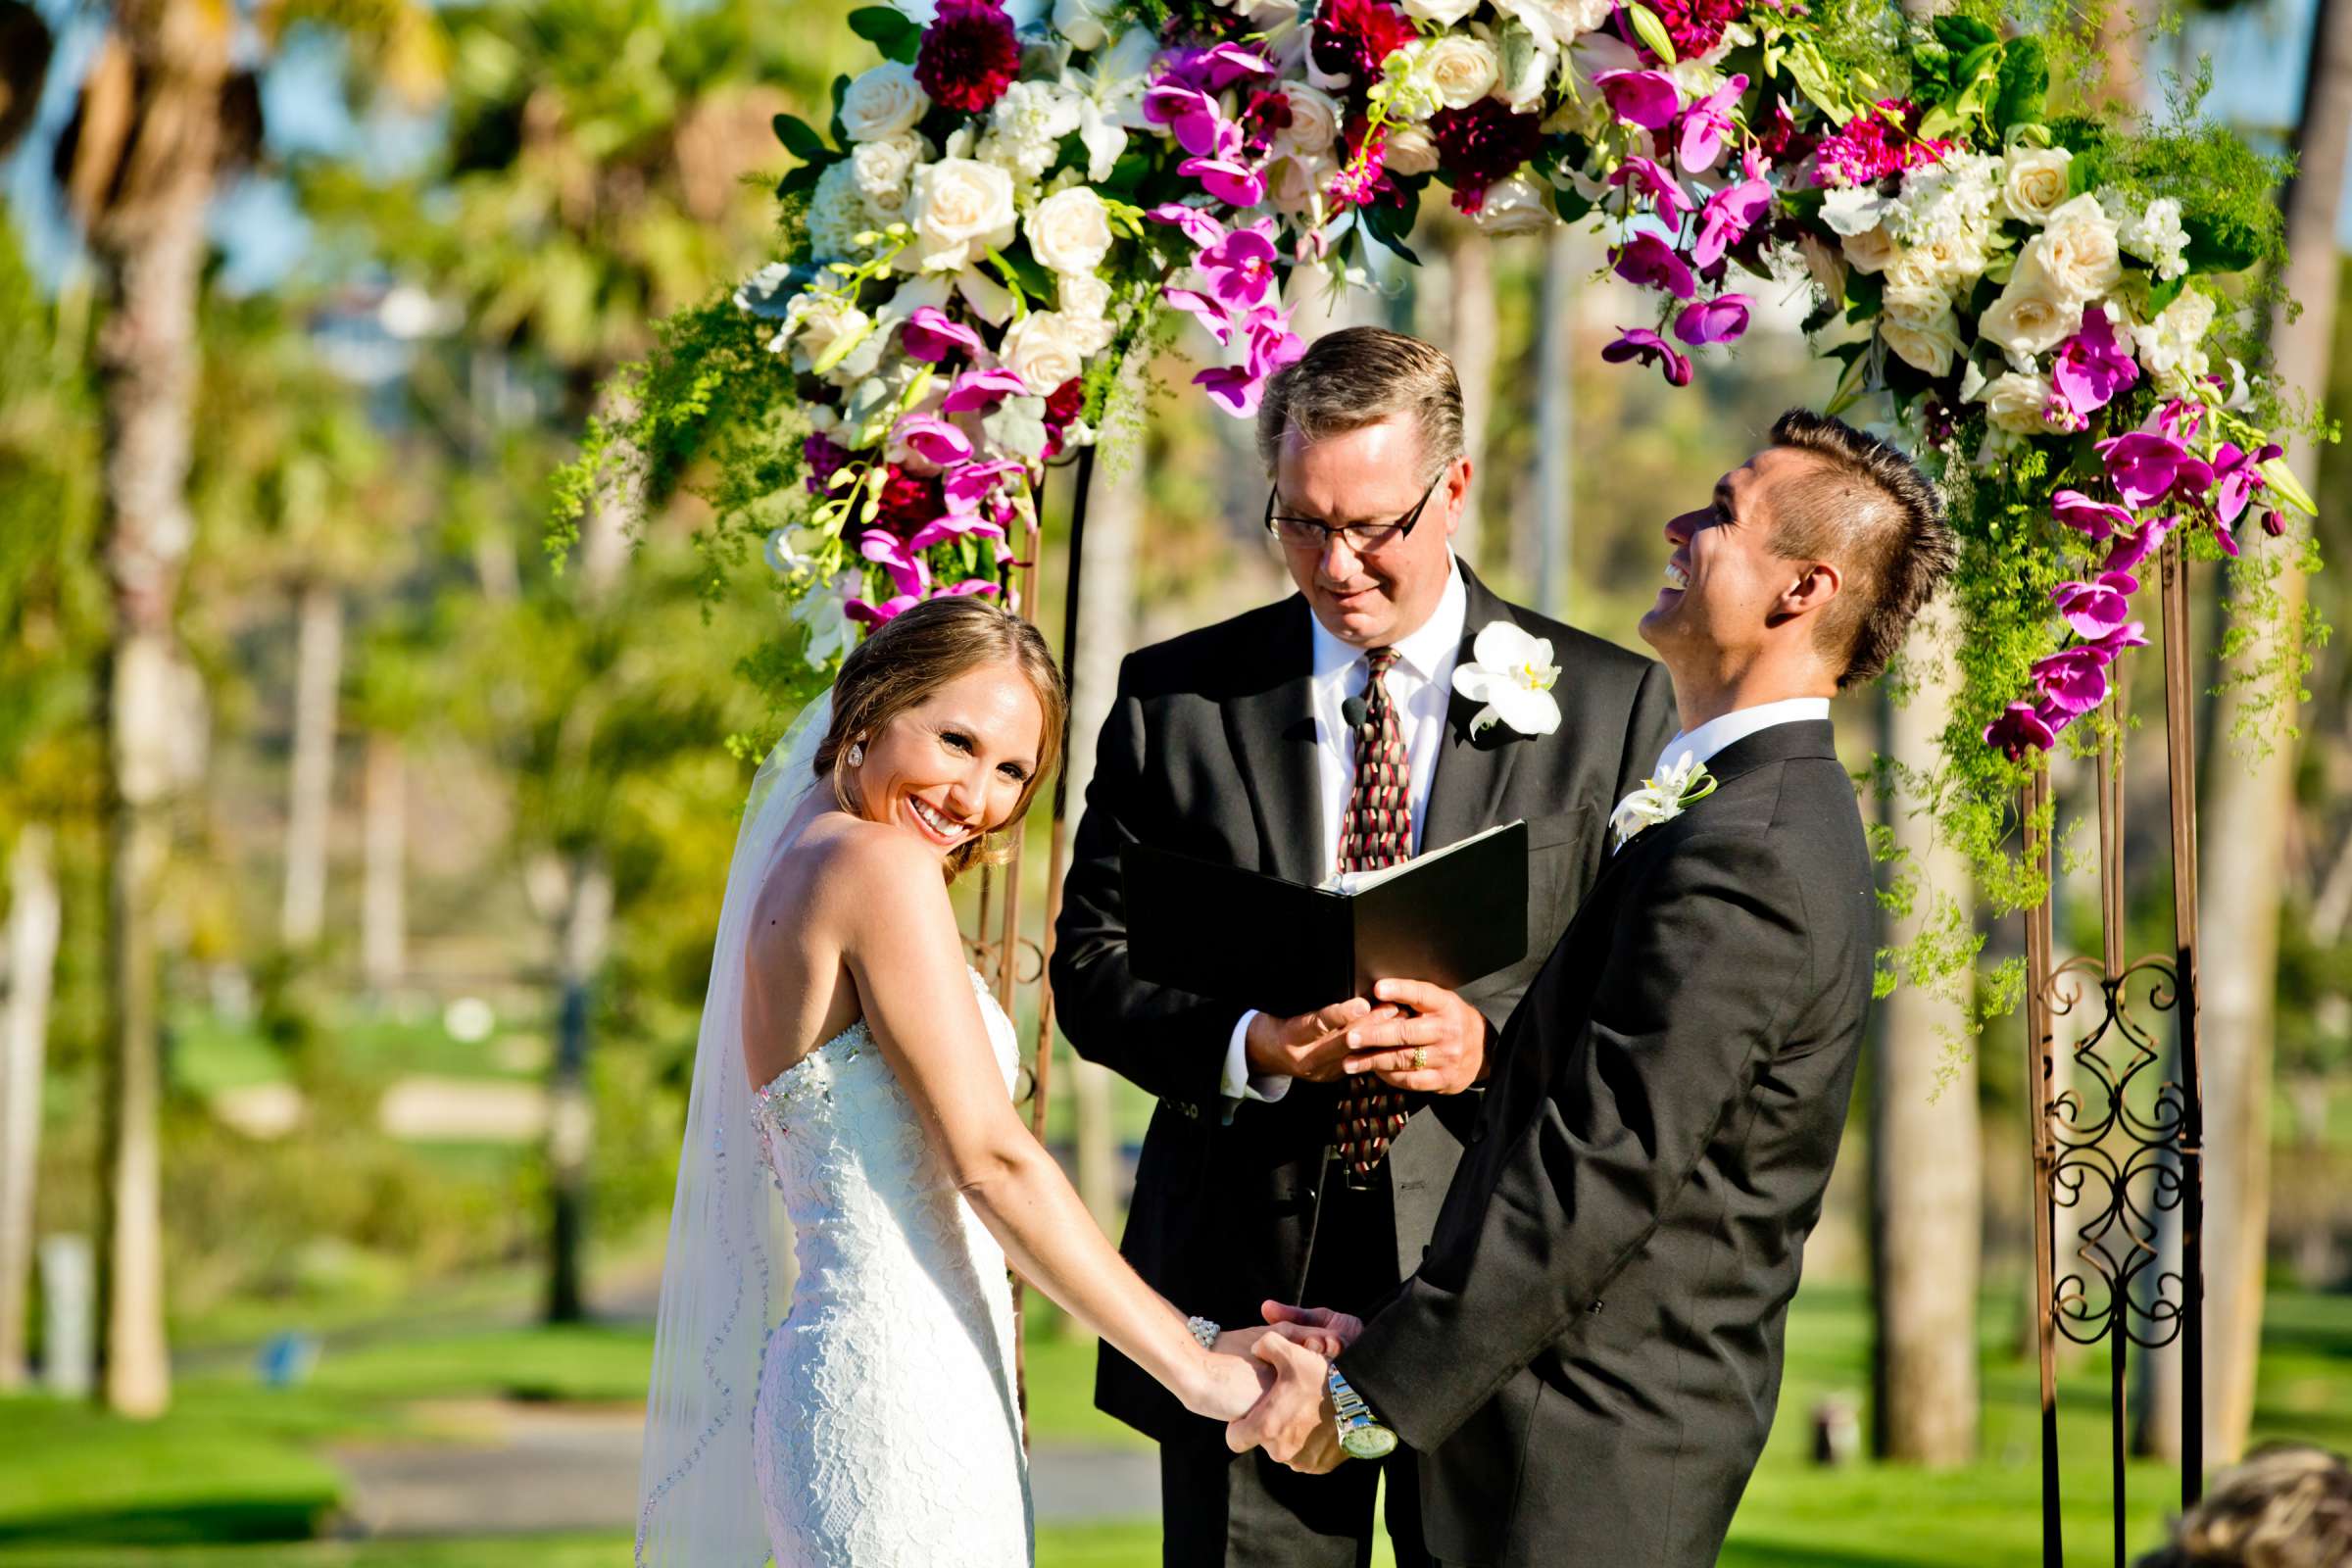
(1420, 686)
(1739, 724)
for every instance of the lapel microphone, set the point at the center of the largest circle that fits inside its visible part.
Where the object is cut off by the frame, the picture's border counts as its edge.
(1355, 711)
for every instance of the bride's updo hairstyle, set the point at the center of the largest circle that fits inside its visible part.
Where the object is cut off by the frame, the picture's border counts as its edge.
(912, 655)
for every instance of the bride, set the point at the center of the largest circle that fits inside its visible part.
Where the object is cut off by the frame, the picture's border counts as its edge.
(851, 1061)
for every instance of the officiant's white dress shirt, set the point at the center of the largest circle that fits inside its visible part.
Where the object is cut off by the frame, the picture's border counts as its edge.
(1739, 724)
(1420, 686)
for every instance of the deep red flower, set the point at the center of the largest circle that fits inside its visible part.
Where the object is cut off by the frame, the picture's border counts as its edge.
(1481, 144)
(1352, 37)
(908, 503)
(1266, 116)
(1065, 402)
(1696, 25)
(968, 56)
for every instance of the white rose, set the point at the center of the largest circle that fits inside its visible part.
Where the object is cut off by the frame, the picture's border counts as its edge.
(2078, 251)
(1409, 151)
(2032, 317)
(883, 168)
(1869, 251)
(960, 211)
(1460, 70)
(2157, 238)
(1082, 22)
(1955, 256)
(1852, 210)
(1927, 345)
(1069, 232)
(1296, 182)
(1514, 205)
(883, 103)
(1914, 305)
(2034, 181)
(837, 214)
(1042, 350)
(1913, 270)
(1314, 121)
(1443, 13)
(2016, 403)
(1083, 301)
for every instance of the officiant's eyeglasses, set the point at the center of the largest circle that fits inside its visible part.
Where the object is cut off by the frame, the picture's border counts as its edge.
(1363, 538)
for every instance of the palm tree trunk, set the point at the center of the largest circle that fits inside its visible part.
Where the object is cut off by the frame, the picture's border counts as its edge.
(383, 877)
(33, 934)
(1105, 632)
(1555, 423)
(1927, 1212)
(1476, 333)
(149, 242)
(2241, 877)
(572, 1107)
(318, 673)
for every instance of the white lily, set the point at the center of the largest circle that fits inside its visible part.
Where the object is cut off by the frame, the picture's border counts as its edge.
(1684, 784)
(1513, 675)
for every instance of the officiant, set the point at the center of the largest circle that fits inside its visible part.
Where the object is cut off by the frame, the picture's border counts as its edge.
(1320, 734)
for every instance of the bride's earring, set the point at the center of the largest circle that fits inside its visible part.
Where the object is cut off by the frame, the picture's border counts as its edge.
(857, 753)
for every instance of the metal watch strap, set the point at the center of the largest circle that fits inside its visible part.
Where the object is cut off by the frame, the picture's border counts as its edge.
(1362, 1437)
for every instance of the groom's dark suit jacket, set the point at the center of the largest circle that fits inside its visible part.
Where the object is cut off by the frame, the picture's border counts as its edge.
(1210, 748)
(1589, 1355)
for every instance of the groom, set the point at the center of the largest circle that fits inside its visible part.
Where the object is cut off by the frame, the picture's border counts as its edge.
(1299, 738)
(1590, 1355)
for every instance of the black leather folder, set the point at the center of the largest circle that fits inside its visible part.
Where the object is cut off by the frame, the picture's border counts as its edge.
(1446, 916)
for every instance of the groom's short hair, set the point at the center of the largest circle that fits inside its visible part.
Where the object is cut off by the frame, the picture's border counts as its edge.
(1360, 375)
(1866, 509)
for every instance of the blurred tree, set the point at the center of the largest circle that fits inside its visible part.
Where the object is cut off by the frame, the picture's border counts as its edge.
(51, 610)
(2247, 801)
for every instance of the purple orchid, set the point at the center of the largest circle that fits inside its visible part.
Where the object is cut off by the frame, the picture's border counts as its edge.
(1705, 126)
(1197, 224)
(1653, 178)
(1272, 345)
(981, 390)
(2274, 524)
(1233, 184)
(1646, 98)
(967, 587)
(2095, 520)
(1640, 342)
(965, 487)
(1193, 118)
(2131, 634)
(2073, 680)
(932, 440)
(1730, 214)
(1717, 320)
(2130, 549)
(931, 336)
(2142, 465)
(2022, 727)
(1649, 262)
(908, 573)
(2091, 369)
(2236, 475)
(1207, 311)
(1215, 68)
(1240, 267)
(2181, 419)
(2095, 609)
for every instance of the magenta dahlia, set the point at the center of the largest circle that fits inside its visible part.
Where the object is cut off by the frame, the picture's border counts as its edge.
(1352, 37)
(1481, 144)
(968, 56)
(1868, 148)
(1696, 25)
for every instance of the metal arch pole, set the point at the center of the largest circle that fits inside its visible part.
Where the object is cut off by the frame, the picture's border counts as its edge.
(2039, 1042)
(2181, 761)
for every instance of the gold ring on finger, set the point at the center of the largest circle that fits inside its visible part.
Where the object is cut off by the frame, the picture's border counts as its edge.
(1420, 1058)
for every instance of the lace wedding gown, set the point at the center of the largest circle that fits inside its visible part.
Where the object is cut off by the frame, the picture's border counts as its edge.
(885, 1432)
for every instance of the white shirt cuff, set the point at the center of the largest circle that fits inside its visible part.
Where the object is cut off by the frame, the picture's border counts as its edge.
(1240, 1083)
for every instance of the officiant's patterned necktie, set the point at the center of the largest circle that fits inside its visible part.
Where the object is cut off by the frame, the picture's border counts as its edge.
(1376, 831)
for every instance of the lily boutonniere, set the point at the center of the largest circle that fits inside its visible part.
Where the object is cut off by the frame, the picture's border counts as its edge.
(1513, 675)
(1662, 799)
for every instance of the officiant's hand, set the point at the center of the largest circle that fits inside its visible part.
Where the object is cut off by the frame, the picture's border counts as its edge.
(1293, 1421)
(1312, 1046)
(1423, 1038)
(1320, 1329)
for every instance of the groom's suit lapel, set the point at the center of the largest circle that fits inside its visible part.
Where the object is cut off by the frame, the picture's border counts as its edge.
(1466, 792)
(1270, 725)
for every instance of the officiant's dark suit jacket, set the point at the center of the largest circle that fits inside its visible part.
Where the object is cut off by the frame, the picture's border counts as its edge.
(1210, 750)
(1589, 1358)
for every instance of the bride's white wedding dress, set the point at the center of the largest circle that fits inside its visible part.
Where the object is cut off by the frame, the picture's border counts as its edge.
(886, 1431)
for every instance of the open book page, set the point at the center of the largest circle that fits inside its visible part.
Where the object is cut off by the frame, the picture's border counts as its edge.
(1348, 884)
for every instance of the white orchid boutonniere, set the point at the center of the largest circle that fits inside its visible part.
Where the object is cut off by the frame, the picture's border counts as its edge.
(1513, 675)
(1662, 799)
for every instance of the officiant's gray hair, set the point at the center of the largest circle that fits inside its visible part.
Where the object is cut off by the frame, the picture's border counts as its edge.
(1360, 375)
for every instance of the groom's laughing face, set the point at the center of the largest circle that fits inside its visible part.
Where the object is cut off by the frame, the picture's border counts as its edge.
(1723, 579)
(1372, 476)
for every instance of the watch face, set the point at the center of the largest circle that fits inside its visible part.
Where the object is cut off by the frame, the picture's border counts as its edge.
(1367, 1443)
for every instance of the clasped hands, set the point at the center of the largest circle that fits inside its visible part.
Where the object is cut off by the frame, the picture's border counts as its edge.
(1410, 1034)
(1293, 1419)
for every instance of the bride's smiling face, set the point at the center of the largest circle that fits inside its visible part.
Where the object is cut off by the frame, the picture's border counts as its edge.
(954, 767)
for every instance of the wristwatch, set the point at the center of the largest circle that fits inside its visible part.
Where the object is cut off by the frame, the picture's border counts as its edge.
(1360, 1435)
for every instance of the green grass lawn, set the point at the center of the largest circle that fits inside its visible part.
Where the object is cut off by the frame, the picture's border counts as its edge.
(235, 1475)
